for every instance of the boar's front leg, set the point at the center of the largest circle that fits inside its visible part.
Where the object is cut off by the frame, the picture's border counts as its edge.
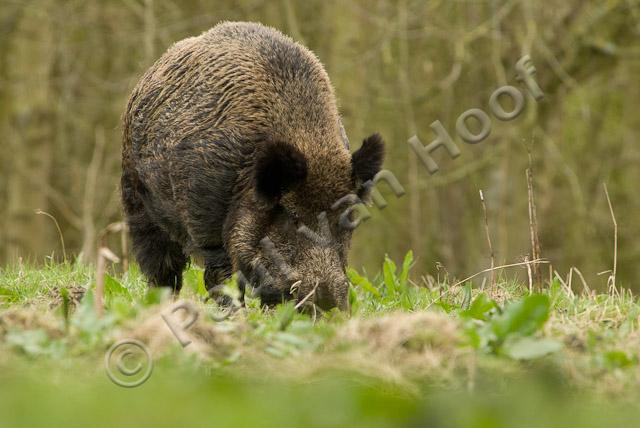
(217, 268)
(161, 259)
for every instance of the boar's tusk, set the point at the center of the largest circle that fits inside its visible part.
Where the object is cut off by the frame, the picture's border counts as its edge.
(294, 286)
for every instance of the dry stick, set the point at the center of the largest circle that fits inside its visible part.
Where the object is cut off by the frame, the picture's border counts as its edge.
(533, 224)
(311, 293)
(121, 227)
(584, 283)
(64, 250)
(533, 262)
(567, 287)
(570, 279)
(529, 275)
(570, 284)
(57, 199)
(89, 198)
(612, 278)
(480, 273)
(486, 229)
(104, 254)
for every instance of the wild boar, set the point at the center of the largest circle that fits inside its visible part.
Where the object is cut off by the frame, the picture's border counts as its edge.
(232, 137)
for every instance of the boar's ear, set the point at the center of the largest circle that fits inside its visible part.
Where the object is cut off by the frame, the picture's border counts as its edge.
(279, 166)
(367, 160)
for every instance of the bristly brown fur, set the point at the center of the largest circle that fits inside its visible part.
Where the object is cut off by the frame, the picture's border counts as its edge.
(220, 119)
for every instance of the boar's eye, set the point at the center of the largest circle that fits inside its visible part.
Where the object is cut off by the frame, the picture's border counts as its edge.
(293, 218)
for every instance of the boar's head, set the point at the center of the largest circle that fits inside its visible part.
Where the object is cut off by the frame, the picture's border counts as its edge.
(301, 220)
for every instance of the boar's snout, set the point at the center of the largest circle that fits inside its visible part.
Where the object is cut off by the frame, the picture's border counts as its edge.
(329, 296)
(325, 295)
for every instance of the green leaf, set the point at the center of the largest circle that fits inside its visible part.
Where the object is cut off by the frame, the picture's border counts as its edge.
(467, 296)
(35, 343)
(156, 295)
(528, 348)
(354, 304)
(480, 308)
(523, 317)
(406, 266)
(473, 336)
(7, 294)
(389, 275)
(361, 281)
(618, 359)
(86, 322)
(66, 306)
(113, 287)
(194, 281)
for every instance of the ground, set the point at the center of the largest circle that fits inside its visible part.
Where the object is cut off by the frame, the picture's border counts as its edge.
(435, 353)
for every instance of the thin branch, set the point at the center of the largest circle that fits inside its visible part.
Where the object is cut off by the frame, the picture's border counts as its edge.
(584, 283)
(533, 224)
(529, 274)
(533, 262)
(307, 297)
(486, 229)
(56, 197)
(64, 250)
(88, 200)
(612, 278)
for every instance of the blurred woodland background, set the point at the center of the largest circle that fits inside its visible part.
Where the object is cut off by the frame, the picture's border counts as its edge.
(68, 66)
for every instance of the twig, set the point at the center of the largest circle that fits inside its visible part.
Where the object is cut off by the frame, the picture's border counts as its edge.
(64, 250)
(104, 254)
(612, 278)
(568, 286)
(113, 228)
(533, 262)
(584, 283)
(529, 274)
(56, 198)
(480, 273)
(89, 197)
(562, 282)
(533, 224)
(486, 229)
(311, 293)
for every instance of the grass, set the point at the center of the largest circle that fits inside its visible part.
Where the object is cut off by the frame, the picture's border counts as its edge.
(433, 355)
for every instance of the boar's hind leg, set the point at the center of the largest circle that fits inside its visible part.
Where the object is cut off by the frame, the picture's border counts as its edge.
(217, 268)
